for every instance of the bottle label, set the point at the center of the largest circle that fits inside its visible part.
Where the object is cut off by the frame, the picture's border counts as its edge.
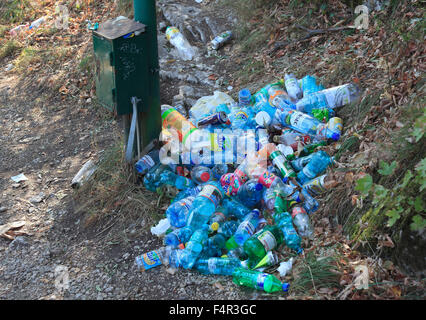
(248, 227)
(241, 175)
(267, 178)
(296, 211)
(212, 193)
(186, 204)
(315, 186)
(260, 281)
(170, 32)
(211, 265)
(268, 240)
(337, 96)
(241, 115)
(297, 118)
(148, 260)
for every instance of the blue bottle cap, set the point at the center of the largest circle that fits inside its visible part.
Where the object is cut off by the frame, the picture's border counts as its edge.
(245, 94)
(335, 136)
(285, 286)
(258, 186)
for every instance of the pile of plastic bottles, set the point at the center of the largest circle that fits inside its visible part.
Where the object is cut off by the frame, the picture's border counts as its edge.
(232, 219)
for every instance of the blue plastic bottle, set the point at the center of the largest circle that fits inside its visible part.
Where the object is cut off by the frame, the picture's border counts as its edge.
(217, 219)
(190, 192)
(300, 162)
(177, 237)
(205, 204)
(250, 193)
(194, 247)
(310, 204)
(291, 239)
(219, 170)
(147, 162)
(245, 230)
(221, 266)
(235, 208)
(309, 85)
(177, 212)
(228, 228)
(317, 165)
(244, 97)
(170, 178)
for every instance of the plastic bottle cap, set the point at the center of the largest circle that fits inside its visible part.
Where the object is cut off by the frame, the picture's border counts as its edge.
(262, 118)
(214, 226)
(205, 176)
(285, 287)
(335, 136)
(181, 246)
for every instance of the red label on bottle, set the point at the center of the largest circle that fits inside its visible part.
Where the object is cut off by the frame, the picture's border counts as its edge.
(267, 178)
(297, 210)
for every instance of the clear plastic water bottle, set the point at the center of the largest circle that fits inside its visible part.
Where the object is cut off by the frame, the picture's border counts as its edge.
(292, 138)
(317, 165)
(237, 253)
(306, 124)
(153, 258)
(319, 185)
(302, 222)
(220, 266)
(292, 87)
(205, 204)
(221, 39)
(258, 280)
(201, 174)
(194, 247)
(235, 208)
(176, 38)
(178, 237)
(177, 212)
(279, 98)
(329, 98)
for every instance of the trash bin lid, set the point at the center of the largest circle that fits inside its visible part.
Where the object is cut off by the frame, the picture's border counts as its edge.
(118, 27)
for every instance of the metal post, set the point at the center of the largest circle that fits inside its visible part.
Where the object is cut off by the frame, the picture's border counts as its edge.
(150, 121)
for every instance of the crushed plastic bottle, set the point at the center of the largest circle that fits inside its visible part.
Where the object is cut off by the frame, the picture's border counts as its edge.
(176, 38)
(148, 161)
(201, 174)
(177, 212)
(250, 193)
(221, 39)
(194, 247)
(302, 222)
(316, 165)
(205, 204)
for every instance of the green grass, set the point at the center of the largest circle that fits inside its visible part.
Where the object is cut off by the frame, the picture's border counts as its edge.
(14, 11)
(315, 273)
(9, 48)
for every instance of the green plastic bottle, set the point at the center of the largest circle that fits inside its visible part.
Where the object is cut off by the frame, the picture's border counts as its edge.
(263, 241)
(310, 148)
(258, 280)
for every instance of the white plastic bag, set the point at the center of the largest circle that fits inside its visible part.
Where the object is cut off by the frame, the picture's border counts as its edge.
(161, 228)
(207, 104)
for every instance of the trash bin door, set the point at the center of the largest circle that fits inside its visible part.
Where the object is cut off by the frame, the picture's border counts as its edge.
(105, 79)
